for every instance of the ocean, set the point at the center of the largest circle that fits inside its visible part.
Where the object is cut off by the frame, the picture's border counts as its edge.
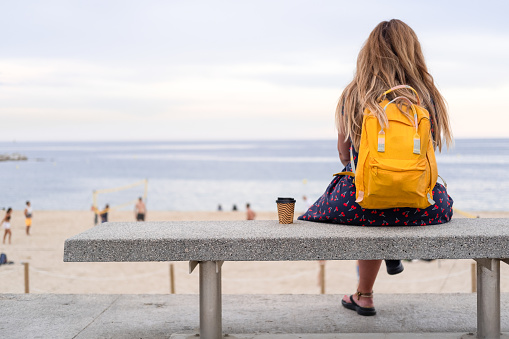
(200, 176)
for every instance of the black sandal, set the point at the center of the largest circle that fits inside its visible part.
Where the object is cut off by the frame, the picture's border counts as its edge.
(366, 311)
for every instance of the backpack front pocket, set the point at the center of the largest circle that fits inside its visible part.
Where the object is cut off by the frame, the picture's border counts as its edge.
(397, 183)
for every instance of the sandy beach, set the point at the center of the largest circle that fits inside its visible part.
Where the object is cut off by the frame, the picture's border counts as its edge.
(43, 250)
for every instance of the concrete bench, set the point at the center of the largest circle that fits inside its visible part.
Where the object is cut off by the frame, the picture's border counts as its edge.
(210, 243)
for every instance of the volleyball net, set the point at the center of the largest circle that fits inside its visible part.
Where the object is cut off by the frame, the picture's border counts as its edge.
(116, 197)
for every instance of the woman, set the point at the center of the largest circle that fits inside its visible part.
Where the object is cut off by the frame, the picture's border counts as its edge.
(390, 57)
(6, 224)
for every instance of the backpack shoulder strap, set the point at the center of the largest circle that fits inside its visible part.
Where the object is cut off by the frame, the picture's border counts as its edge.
(352, 174)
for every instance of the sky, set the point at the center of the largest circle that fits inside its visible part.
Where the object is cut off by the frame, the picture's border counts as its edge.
(100, 70)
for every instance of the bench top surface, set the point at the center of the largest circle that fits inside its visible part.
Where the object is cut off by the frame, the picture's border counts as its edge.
(267, 240)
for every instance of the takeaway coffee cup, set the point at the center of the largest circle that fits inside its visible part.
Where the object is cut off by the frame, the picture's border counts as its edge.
(285, 209)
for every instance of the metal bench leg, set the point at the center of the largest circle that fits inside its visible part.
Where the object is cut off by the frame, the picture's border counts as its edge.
(488, 298)
(210, 300)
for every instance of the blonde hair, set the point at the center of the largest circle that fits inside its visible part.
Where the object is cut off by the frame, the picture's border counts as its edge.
(391, 56)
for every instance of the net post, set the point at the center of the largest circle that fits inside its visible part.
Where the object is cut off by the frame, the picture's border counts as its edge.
(27, 286)
(172, 279)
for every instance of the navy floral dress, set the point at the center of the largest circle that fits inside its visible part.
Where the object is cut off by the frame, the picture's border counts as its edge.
(337, 205)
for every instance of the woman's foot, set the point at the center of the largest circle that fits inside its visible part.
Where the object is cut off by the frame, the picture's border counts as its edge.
(394, 266)
(362, 303)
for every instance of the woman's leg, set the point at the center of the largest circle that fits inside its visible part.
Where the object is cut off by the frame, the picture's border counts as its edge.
(368, 270)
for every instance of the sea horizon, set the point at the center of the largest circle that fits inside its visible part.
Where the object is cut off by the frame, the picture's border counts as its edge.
(201, 175)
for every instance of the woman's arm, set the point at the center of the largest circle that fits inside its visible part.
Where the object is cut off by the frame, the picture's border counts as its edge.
(343, 149)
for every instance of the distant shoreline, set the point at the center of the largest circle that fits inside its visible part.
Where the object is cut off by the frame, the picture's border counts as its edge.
(13, 157)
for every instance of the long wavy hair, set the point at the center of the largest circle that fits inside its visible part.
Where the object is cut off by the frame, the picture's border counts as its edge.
(391, 56)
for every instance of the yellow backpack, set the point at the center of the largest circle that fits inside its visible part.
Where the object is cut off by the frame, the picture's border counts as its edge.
(396, 165)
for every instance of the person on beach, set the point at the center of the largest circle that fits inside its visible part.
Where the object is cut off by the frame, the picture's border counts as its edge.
(104, 213)
(28, 217)
(140, 210)
(391, 56)
(96, 214)
(6, 224)
(250, 214)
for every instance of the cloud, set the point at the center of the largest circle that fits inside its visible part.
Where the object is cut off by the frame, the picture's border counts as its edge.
(469, 60)
(79, 97)
(478, 112)
(226, 69)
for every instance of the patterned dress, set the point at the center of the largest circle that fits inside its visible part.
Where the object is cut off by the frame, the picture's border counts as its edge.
(337, 205)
